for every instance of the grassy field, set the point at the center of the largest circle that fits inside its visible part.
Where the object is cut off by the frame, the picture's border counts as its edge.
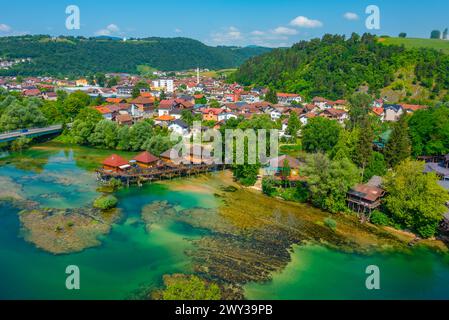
(441, 45)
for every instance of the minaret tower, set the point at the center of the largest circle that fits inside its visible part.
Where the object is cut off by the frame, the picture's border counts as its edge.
(198, 75)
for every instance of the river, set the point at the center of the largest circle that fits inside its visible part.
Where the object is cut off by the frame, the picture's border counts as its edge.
(197, 219)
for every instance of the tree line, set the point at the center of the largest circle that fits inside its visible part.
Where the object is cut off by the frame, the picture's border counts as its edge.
(79, 56)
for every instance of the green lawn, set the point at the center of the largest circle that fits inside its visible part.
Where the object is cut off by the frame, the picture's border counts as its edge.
(441, 45)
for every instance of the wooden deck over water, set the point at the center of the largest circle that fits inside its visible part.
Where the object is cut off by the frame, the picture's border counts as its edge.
(137, 175)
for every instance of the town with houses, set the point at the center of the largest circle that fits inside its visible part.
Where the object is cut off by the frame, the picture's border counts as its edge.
(183, 93)
(215, 101)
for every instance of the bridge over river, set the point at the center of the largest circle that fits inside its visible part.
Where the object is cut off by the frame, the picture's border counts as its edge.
(30, 133)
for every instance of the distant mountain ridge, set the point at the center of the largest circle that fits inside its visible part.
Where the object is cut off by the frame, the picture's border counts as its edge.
(76, 56)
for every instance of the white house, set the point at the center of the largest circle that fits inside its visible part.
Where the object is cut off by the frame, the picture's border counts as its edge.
(180, 127)
(289, 98)
(392, 112)
(166, 84)
(226, 116)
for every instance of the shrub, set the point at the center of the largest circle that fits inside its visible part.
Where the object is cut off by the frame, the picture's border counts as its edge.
(105, 202)
(189, 288)
(331, 223)
(302, 193)
(380, 219)
(268, 186)
(20, 144)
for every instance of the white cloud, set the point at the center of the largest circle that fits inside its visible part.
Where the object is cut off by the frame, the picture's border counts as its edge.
(284, 31)
(108, 31)
(177, 30)
(5, 28)
(304, 22)
(227, 36)
(257, 33)
(351, 16)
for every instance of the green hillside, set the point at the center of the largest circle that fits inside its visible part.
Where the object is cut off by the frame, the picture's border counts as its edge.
(415, 43)
(335, 67)
(70, 56)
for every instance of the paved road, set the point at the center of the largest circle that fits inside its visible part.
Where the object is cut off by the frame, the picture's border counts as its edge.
(10, 136)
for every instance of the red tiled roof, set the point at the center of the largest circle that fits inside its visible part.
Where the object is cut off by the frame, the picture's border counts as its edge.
(142, 100)
(32, 92)
(165, 118)
(319, 99)
(114, 100)
(103, 110)
(378, 111)
(167, 104)
(413, 107)
(115, 161)
(215, 111)
(146, 157)
(287, 95)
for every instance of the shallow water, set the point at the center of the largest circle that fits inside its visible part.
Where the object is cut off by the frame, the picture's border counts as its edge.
(319, 273)
(130, 260)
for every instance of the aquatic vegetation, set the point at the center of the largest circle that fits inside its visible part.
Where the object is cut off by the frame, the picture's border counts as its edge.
(10, 190)
(62, 231)
(183, 287)
(105, 202)
(331, 223)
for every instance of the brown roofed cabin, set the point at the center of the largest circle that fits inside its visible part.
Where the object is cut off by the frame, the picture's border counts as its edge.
(364, 198)
(146, 160)
(115, 163)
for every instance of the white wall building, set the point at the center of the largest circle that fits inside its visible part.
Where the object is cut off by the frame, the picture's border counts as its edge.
(166, 84)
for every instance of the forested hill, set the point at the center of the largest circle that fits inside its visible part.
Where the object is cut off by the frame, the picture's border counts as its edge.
(335, 67)
(79, 56)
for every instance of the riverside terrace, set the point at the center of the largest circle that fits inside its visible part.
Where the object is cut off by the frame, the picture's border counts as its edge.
(147, 168)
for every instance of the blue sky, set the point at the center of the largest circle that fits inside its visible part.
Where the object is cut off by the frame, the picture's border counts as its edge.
(224, 22)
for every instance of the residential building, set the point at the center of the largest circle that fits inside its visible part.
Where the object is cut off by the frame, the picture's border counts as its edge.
(392, 112)
(289, 98)
(180, 127)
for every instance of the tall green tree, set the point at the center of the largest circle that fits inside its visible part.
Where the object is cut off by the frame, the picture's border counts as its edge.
(329, 181)
(271, 96)
(364, 147)
(435, 34)
(320, 134)
(429, 131)
(21, 115)
(398, 147)
(100, 79)
(376, 166)
(360, 106)
(74, 103)
(84, 125)
(294, 125)
(105, 135)
(346, 145)
(415, 199)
